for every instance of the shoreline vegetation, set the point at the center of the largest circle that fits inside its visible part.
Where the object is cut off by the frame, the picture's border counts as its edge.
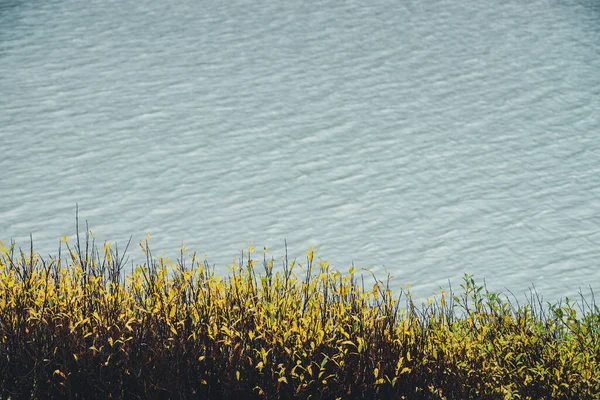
(79, 326)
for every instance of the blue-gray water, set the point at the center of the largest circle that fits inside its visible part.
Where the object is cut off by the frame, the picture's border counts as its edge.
(431, 138)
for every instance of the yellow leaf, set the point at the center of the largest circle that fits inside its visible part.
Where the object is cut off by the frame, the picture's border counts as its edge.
(106, 246)
(75, 357)
(282, 379)
(360, 344)
(128, 324)
(310, 254)
(399, 363)
(59, 372)
(376, 372)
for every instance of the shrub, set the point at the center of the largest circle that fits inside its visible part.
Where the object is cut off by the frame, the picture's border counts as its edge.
(78, 326)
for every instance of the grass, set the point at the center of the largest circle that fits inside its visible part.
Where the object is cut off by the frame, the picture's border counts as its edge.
(79, 326)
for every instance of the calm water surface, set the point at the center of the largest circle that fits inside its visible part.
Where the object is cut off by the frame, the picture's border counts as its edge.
(430, 138)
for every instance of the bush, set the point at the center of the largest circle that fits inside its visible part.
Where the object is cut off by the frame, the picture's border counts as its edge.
(79, 327)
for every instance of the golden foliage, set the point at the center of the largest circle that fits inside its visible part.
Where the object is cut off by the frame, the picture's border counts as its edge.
(80, 325)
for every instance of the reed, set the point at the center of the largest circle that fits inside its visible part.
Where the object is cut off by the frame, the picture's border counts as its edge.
(79, 326)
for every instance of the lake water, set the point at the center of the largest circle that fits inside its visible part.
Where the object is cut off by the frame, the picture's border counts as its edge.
(431, 138)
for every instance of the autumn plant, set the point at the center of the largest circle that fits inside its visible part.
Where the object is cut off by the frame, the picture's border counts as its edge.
(85, 324)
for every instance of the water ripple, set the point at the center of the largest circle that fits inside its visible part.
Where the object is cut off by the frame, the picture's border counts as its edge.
(431, 139)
